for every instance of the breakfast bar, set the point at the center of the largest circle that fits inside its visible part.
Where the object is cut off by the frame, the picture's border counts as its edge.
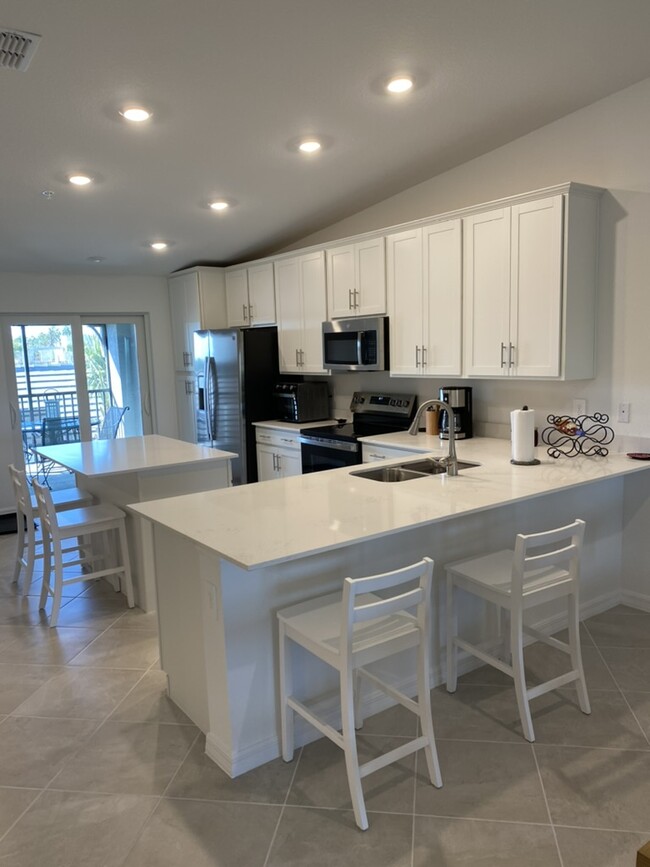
(226, 561)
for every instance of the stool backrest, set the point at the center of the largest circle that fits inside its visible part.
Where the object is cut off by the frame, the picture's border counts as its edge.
(355, 610)
(21, 492)
(46, 510)
(550, 551)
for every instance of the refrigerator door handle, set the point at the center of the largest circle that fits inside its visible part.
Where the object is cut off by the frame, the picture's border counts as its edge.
(208, 398)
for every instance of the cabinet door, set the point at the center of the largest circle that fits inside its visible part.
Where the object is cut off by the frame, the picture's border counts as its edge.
(487, 293)
(536, 288)
(289, 463)
(237, 298)
(314, 312)
(266, 463)
(370, 282)
(261, 295)
(185, 387)
(341, 283)
(186, 317)
(442, 298)
(287, 281)
(404, 272)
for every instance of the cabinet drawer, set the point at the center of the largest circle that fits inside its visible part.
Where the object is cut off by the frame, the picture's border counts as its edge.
(384, 453)
(278, 438)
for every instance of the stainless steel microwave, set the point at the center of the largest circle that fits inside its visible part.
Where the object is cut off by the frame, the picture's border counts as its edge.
(356, 344)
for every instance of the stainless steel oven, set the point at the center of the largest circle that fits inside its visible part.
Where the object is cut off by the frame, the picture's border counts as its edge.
(336, 446)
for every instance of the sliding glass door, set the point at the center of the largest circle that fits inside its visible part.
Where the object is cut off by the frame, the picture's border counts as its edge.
(74, 378)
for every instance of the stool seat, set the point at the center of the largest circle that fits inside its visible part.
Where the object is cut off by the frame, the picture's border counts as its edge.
(348, 631)
(542, 567)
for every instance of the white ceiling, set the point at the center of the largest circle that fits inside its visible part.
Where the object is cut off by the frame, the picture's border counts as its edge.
(232, 82)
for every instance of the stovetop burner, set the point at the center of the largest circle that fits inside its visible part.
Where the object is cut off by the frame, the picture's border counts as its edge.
(373, 413)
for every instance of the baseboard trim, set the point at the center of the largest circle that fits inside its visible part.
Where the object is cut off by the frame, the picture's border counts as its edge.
(636, 600)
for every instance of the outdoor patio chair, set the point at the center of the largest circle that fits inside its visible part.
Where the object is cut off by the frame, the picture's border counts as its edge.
(111, 422)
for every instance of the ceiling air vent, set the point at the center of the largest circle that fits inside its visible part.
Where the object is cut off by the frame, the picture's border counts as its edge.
(17, 48)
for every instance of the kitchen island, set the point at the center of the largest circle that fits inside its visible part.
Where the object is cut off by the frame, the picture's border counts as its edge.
(134, 469)
(226, 561)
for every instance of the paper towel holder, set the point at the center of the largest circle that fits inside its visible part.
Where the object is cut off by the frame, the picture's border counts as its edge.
(533, 463)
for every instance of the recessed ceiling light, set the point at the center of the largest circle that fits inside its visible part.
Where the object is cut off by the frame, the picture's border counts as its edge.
(399, 84)
(80, 180)
(159, 245)
(309, 146)
(96, 259)
(135, 115)
(47, 194)
(219, 205)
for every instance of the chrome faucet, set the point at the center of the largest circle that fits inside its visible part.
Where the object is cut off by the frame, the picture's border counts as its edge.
(451, 460)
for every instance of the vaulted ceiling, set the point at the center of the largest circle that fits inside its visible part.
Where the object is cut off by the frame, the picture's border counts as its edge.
(234, 84)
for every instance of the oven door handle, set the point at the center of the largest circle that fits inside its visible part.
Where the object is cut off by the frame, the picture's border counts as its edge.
(330, 444)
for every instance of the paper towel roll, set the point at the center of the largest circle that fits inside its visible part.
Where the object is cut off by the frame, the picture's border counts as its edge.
(522, 434)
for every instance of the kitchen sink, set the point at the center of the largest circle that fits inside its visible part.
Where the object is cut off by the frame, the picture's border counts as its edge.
(434, 466)
(411, 470)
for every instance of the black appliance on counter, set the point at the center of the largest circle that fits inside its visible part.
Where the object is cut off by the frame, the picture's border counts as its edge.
(334, 446)
(235, 371)
(301, 401)
(460, 400)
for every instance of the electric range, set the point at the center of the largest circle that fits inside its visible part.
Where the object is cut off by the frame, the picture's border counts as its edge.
(334, 446)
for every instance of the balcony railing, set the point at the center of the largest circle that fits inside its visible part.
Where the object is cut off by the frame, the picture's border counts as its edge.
(62, 404)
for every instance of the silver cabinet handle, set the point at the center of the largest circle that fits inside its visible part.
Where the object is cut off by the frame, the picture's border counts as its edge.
(378, 457)
(297, 360)
(243, 307)
(356, 299)
(424, 356)
(189, 386)
(274, 466)
(301, 363)
(278, 467)
(417, 356)
(250, 314)
(350, 301)
(187, 359)
(511, 355)
(503, 349)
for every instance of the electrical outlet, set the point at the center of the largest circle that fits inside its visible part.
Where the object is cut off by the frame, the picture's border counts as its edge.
(579, 406)
(624, 413)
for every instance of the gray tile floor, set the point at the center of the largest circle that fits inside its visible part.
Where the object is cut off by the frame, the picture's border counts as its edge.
(98, 768)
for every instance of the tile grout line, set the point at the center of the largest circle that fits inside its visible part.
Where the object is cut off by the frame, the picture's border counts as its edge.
(548, 809)
(415, 784)
(26, 810)
(160, 797)
(282, 809)
(618, 687)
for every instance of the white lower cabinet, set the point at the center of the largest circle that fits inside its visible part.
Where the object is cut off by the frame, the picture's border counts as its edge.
(278, 454)
(185, 383)
(370, 453)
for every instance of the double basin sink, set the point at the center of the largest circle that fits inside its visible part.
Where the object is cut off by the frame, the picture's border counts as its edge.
(410, 470)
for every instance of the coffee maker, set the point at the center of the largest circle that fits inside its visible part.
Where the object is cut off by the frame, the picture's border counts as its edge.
(460, 400)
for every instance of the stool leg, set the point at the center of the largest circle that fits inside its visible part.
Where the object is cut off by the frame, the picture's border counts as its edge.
(47, 569)
(20, 547)
(358, 695)
(426, 721)
(108, 541)
(350, 749)
(126, 564)
(519, 674)
(505, 625)
(286, 689)
(576, 654)
(58, 584)
(452, 630)
(31, 553)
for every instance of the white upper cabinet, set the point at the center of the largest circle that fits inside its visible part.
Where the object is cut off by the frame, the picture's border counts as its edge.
(250, 296)
(301, 307)
(356, 279)
(197, 300)
(424, 300)
(529, 305)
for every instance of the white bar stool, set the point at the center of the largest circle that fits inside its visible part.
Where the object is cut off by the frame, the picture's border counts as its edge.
(516, 581)
(86, 522)
(348, 631)
(29, 546)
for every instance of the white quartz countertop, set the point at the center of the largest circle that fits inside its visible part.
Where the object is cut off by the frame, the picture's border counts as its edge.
(280, 520)
(129, 455)
(278, 424)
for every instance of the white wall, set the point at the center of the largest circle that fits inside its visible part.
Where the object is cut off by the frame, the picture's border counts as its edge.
(605, 144)
(60, 294)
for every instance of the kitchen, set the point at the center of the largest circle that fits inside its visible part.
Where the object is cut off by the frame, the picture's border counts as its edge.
(602, 144)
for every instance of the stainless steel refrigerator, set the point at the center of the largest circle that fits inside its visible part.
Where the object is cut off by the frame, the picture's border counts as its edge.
(235, 369)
